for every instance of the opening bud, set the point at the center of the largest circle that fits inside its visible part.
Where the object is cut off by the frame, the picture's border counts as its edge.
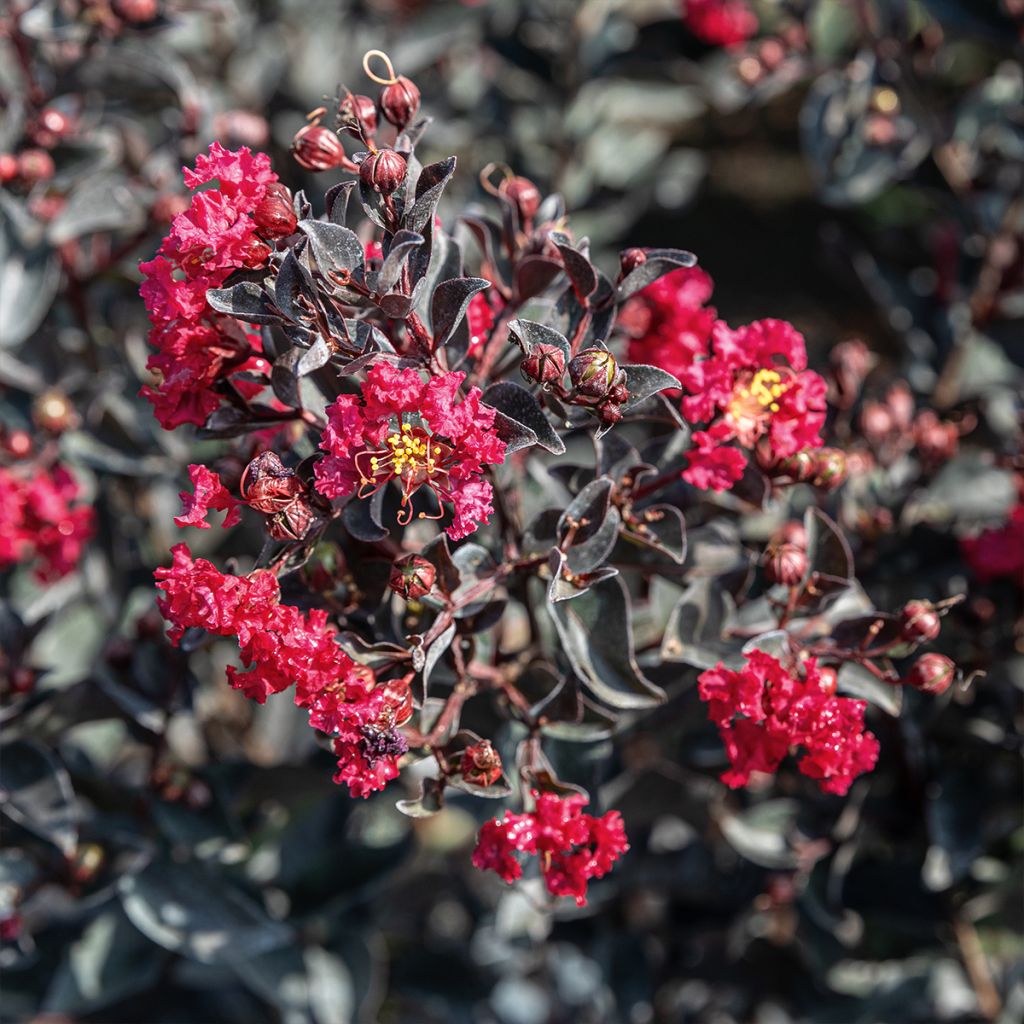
(830, 469)
(275, 213)
(594, 371)
(629, 260)
(358, 115)
(524, 194)
(828, 679)
(412, 577)
(383, 171)
(400, 101)
(481, 764)
(931, 673)
(919, 622)
(544, 364)
(317, 148)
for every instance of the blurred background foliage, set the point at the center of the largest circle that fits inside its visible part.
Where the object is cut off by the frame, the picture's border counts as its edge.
(172, 853)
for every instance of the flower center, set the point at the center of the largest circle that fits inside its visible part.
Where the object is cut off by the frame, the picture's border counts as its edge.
(411, 455)
(754, 398)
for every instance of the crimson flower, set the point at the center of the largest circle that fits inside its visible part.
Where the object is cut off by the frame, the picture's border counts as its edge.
(282, 646)
(754, 386)
(763, 710)
(213, 237)
(720, 22)
(418, 434)
(572, 847)
(40, 521)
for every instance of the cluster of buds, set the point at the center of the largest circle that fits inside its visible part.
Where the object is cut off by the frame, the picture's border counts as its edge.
(412, 577)
(823, 468)
(598, 381)
(785, 558)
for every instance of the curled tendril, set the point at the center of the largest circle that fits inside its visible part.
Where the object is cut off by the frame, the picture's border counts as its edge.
(382, 56)
(488, 173)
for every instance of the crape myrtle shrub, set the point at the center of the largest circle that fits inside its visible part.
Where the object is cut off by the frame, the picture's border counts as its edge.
(579, 581)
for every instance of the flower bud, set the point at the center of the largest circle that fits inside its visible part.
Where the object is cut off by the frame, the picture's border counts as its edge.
(828, 679)
(593, 372)
(11, 924)
(609, 413)
(243, 127)
(800, 467)
(168, 205)
(358, 115)
(17, 443)
(936, 440)
(875, 422)
(317, 148)
(830, 469)
(52, 126)
(23, 680)
(785, 564)
(412, 577)
(931, 673)
(400, 101)
(629, 260)
(793, 533)
(544, 364)
(851, 362)
(35, 165)
(88, 860)
(523, 194)
(901, 405)
(8, 167)
(275, 213)
(136, 12)
(52, 412)
(481, 764)
(383, 171)
(919, 622)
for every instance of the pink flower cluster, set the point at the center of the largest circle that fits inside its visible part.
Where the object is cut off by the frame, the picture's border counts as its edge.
(197, 348)
(752, 388)
(419, 434)
(999, 551)
(720, 22)
(281, 646)
(668, 323)
(572, 847)
(763, 710)
(40, 521)
(746, 387)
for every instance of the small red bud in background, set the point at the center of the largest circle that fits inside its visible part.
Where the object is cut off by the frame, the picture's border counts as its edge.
(358, 115)
(8, 167)
(901, 405)
(785, 564)
(793, 533)
(383, 171)
(800, 467)
(400, 101)
(609, 413)
(412, 577)
(931, 673)
(317, 148)
(168, 205)
(35, 165)
(136, 12)
(828, 679)
(524, 194)
(876, 422)
(544, 364)
(275, 214)
(936, 440)
(919, 622)
(242, 127)
(851, 362)
(481, 764)
(17, 443)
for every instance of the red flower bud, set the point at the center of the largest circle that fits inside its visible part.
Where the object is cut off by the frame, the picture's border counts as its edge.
(524, 194)
(275, 213)
(136, 12)
(167, 206)
(383, 171)
(609, 413)
(317, 148)
(17, 443)
(830, 469)
(936, 440)
(358, 115)
(785, 564)
(901, 405)
(52, 126)
(400, 101)
(792, 533)
(22, 680)
(412, 577)
(594, 371)
(875, 422)
(630, 259)
(544, 364)
(828, 679)
(481, 764)
(35, 165)
(919, 622)
(8, 167)
(800, 467)
(931, 673)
